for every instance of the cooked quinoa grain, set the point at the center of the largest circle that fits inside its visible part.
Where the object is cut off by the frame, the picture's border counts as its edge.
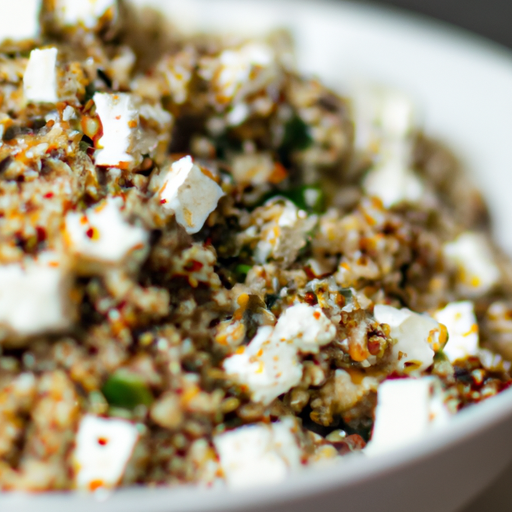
(216, 270)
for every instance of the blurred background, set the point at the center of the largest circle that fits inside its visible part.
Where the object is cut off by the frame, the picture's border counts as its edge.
(489, 18)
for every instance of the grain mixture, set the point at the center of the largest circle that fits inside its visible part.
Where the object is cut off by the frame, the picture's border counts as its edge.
(215, 270)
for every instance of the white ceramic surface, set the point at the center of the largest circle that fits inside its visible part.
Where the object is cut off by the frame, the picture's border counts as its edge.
(464, 86)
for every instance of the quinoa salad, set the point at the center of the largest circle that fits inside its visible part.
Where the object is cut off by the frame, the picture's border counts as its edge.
(216, 271)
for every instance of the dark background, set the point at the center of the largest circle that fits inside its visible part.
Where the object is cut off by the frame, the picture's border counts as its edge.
(489, 18)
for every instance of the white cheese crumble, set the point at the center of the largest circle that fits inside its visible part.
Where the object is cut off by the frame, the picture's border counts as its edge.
(393, 182)
(40, 77)
(191, 193)
(381, 115)
(460, 321)
(236, 73)
(406, 410)
(35, 296)
(258, 454)
(102, 234)
(417, 336)
(268, 367)
(85, 12)
(306, 326)
(103, 449)
(20, 19)
(477, 270)
(384, 121)
(119, 120)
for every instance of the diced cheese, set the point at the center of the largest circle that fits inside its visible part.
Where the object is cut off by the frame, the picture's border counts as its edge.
(35, 296)
(460, 321)
(406, 410)
(381, 115)
(191, 193)
(417, 337)
(40, 78)
(83, 12)
(119, 120)
(306, 327)
(384, 121)
(103, 449)
(258, 454)
(267, 367)
(236, 70)
(393, 182)
(477, 271)
(20, 19)
(102, 234)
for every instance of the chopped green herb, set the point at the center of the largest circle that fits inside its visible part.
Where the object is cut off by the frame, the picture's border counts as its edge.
(241, 272)
(296, 135)
(126, 390)
(90, 90)
(309, 198)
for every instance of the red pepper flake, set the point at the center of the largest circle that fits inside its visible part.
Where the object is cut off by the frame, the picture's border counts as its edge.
(102, 441)
(311, 299)
(316, 314)
(90, 233)
(48, 195)
(163, 201)
(41, 234)
(309, 272)
(194, 266)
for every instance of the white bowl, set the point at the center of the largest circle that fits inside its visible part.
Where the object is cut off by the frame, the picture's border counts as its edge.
(464, 86)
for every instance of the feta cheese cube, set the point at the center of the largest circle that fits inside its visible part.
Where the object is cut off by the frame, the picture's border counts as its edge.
(69, 13)
(406, 410)
(381, 115)
(460, 321)
(268, 367)
(40, 78)
(191, 193)
(258, 454)
(119, 120)
(20, 19)
(306, 327)
(102, 234)
(393, 182)
(477, 271)
(417, 337)
(103, 449)
(35, 297)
